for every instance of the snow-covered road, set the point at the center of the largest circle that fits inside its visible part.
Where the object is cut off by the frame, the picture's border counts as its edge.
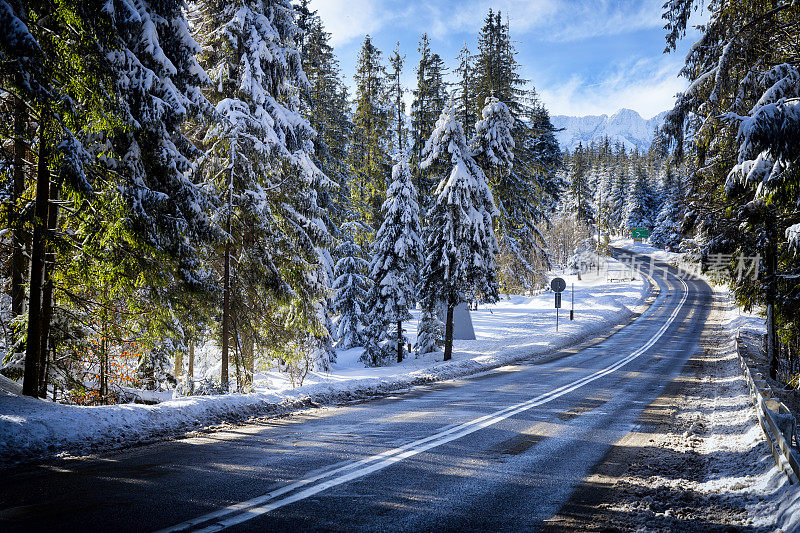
(500, 450)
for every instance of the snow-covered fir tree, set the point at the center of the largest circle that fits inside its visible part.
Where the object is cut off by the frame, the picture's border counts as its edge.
(667, 224)
(394, 268)
(604, 179)
(368, 151)
(350, 286)
(430, 334)
(736, 126)
(462, 94)
(493, 143)
(580, 192)
(328, 111)
(619, 197)
(159, 79)
(638, 204)
(398, 140)
(261, 158)
(526, 193)
(460, 245)
(430, 97)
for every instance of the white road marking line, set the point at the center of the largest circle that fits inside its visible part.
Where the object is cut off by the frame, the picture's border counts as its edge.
(247, 510)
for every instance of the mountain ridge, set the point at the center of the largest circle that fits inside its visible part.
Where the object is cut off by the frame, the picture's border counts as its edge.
(625, 126)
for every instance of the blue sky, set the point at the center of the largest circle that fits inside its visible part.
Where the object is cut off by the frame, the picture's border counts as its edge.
(583, 56)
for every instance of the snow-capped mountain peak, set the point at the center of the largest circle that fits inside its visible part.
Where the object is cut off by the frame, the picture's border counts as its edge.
(625, 126)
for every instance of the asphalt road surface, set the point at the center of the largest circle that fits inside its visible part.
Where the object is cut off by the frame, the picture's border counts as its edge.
(501, 450)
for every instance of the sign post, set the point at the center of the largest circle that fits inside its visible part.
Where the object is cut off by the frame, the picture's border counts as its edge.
(558, 285)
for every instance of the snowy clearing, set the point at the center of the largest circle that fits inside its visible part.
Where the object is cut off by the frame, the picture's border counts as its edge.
(513, 329)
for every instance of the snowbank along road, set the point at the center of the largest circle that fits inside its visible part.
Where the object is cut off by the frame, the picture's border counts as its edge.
(500, 450)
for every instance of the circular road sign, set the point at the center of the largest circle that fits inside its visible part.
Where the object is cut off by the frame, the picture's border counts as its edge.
(558, 285)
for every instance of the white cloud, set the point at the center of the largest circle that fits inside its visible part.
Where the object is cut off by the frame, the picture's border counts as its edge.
(647, 86)
(552, 20)
(350, 19)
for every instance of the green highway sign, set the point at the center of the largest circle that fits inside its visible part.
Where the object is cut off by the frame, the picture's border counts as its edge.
(640, 233)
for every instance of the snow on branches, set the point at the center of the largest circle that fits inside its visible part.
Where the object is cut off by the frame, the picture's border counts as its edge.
(395, 262)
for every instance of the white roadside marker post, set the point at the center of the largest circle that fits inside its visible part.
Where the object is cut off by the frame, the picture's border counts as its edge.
(572, 309)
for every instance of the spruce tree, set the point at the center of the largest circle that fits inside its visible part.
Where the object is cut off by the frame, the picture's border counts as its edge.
(493, 143)
(619, 192)
(580, 193)
(328, 111)
(460, 241)
(666, 230)
(261, 155)
(369, 159)
(525, 194)
(430, 98)
(736, 126)
(463, 92)
(397, 140)
(111, 85)
(394, 268)
(638, 210)
(350, 286)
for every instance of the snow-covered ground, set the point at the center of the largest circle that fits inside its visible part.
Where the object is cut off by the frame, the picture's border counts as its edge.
(513, 329)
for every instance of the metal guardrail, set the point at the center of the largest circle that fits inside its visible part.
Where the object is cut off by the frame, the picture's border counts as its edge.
(772, 414)
(620, 274)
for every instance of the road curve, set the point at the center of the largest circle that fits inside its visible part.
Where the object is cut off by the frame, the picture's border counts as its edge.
(501, 450)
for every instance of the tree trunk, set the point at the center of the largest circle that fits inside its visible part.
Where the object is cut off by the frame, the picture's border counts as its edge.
(225, 317)
(226, 307)
(47, 292)
(399, 341)
(34, 345)
(178, 363)
(248, 357)
(237, 353)
(17, 254)
(448, 334)
(190, 375)
(252, 361)
(104, 349)
(771, 260)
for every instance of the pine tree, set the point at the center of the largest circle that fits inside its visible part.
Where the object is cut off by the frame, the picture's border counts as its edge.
(580, 194)
(369, 159)
(734, 125)
(463, 92)
(638, 212)
(525, 194)
(269, 216)
(328, 111)
(398, 140)
(350, 286)
(666, 230)
(460, 242)
(619, 192)
(395, 264)
(430, 98)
